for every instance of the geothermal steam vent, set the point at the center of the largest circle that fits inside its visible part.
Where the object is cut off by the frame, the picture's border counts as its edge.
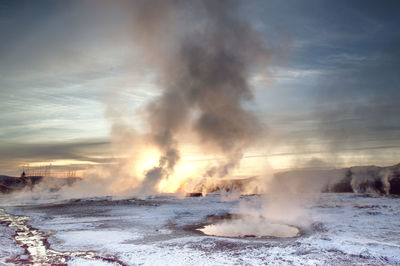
(256, 227)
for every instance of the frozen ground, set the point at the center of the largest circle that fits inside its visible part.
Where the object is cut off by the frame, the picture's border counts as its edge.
(339, 229)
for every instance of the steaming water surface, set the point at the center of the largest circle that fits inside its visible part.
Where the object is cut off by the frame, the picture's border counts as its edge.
(258, 228)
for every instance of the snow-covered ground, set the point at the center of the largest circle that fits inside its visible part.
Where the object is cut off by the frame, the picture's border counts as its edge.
(337, 229)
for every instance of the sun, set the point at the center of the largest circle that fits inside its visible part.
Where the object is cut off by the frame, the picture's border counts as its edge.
(147, 158)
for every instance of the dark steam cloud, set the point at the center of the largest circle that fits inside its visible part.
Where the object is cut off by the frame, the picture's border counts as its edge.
(203, 53)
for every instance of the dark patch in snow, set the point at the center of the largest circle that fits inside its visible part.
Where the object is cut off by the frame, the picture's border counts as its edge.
(318, 227)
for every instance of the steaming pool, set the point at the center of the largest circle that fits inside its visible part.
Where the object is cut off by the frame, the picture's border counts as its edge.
(163, 230)
(241, 229)
(240, 226)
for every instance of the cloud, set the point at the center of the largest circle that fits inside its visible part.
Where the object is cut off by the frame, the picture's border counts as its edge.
(14, 155)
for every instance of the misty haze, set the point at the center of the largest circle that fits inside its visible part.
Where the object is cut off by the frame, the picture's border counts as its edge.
(200, 132)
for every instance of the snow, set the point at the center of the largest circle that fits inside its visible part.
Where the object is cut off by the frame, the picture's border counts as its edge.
(8, 246)
(76, 261)
(89, 238)
(340, 229)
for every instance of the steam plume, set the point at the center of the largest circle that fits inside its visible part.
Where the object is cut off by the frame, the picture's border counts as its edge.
(203, 52)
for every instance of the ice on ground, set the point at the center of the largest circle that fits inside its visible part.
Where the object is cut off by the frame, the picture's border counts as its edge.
(76, 261)
(90, 238)
(340, 229)
(8, 246)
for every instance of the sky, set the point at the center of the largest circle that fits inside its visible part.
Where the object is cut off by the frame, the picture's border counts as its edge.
(330, 97)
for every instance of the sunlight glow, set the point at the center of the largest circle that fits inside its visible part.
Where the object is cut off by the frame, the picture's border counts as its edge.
(61, 163)
(184, 171)
(147, 158)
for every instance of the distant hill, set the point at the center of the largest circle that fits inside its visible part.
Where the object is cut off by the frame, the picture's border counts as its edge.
(358, 179)
(10, 184)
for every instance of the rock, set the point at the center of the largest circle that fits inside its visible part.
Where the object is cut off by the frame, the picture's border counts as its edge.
(395, 186)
